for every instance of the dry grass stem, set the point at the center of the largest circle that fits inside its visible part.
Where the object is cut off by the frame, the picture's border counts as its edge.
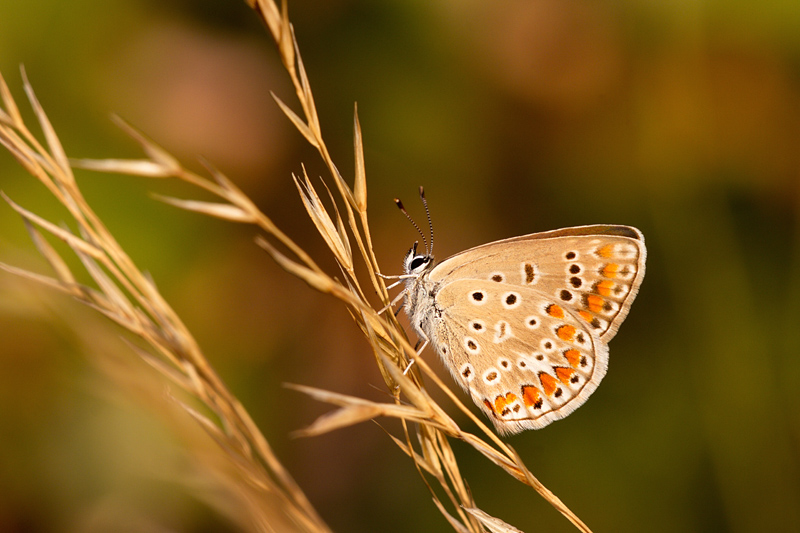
(130, 299)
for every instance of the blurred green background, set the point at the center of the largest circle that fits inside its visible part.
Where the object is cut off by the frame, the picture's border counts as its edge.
(679, 118)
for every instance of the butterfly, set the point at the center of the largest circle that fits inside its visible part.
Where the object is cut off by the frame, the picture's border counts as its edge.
(523, 324)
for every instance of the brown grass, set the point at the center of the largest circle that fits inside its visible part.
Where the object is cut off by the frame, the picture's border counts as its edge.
(124, 294)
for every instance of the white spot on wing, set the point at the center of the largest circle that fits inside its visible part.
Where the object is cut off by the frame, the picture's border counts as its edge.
(477, 325)
(498, 277)
(530, 273)
(472, 346)
(511, 300)
(491, 376)
(502, 331)
(477, 297)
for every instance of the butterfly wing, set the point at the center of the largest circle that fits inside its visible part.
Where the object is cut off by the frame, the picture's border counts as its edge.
(523, 358)
(593, 271)
(525, 321)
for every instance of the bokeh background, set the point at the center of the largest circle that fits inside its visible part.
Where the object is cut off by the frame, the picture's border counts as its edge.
(680, 118)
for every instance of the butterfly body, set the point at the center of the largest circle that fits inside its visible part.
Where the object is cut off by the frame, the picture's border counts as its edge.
(522, 324)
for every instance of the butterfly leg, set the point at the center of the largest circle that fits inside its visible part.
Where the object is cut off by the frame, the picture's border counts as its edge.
(393, 285)
(393, 303)
(421, 344)
(399, 278)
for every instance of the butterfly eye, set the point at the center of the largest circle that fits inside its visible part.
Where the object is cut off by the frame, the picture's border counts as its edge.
(419, 261)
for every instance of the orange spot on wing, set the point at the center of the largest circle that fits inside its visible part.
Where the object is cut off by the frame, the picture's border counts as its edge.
(566, 332)
(531, 396)
(604, 287)
(501, 403)
(586, 315)
(573, 356)
(611, 270)
(555, 311)
(549, 383)
(564, 374)
(595, 303)
(605, 251)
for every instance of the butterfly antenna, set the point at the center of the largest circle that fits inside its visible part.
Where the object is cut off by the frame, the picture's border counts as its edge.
(403, 209)
(428, 214)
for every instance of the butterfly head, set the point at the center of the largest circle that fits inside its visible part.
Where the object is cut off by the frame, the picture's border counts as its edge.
(416, 263)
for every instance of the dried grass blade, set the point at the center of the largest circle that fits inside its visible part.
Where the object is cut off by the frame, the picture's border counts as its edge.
(430, 453)
(56, 262)
(450, 465)
(340, 226)
(211, 428)
(230, 188)
(335, 398)
(360, 182)
(168, 371)
(344, 417)
(223, 211)
(72, 241)
(57, 151)
(45, 281)
(323, 222)
(25, 156)
(449, 478)
(19, 150)
(492, 454)
(116, 298)
(134, 167)
(5, 118)
(13, 117)
(284, 39)
(301, 126)
(156, 153)
(317, 280)
(495, 525)
(353, 411)
(306, 96)
(268, 12)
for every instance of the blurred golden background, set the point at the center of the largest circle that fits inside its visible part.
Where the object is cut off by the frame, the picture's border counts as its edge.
(679, 118)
